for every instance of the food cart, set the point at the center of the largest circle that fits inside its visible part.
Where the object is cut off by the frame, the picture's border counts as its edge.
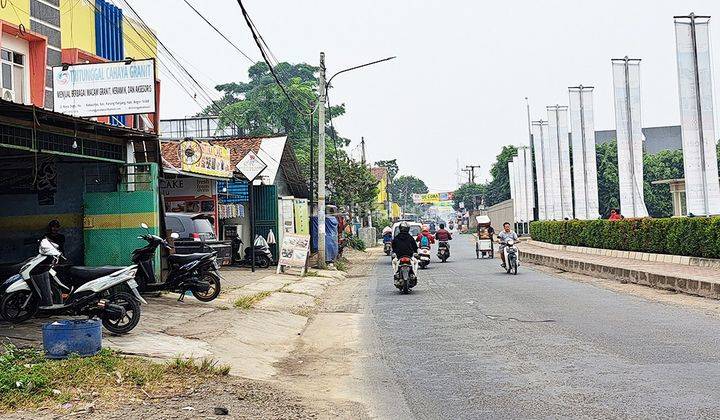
(484, 241)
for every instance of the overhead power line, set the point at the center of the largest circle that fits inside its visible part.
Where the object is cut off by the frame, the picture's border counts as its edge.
(257, 38)
(218, 31)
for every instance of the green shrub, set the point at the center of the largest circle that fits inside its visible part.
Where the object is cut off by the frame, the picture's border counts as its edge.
(689, 236)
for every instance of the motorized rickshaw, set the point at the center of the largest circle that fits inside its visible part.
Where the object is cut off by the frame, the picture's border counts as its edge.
(484, 241)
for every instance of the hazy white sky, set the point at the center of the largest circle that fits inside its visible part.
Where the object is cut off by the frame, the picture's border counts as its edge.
(457, 88)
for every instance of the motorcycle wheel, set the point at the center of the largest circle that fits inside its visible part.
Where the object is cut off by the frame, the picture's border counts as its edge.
(212, 292)
(263, 262)
(11, 307)
(132, 314)
(514, 267)
(405, 288)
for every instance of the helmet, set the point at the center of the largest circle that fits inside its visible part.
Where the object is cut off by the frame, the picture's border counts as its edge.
(387, 229)
(425, 228)
(404, 227)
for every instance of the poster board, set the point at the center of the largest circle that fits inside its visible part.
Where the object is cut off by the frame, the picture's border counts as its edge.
(294, 252)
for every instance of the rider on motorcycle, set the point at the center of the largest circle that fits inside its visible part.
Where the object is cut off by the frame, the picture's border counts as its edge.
(442, 235)
(403, 245)
(425, 234)
(507, 233)
(387, 234)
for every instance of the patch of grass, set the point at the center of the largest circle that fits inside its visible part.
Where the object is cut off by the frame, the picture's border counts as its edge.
(247, 302)
(310, 273)
(193, 366)
(28, 380)
(342, 264)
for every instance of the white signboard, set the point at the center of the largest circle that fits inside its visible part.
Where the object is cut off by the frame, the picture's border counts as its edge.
(628, 123)
(702, 187)
(294, 252)
(251, 166)
(103, 89)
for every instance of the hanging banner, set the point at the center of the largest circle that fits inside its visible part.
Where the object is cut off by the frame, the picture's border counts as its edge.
(102, 89)
(628, 123)
(432, 198)
(583, 146)
(702, 186)
(513, 190)
(524, 182)
(540, 138)
(559, 161)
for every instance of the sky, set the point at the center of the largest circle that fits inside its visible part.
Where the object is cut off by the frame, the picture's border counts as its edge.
(456, 92)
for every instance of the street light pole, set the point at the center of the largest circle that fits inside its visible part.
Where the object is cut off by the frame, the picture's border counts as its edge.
(321, 164)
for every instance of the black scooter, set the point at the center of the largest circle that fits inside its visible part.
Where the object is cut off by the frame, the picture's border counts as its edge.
(263, 256)
(197, 273)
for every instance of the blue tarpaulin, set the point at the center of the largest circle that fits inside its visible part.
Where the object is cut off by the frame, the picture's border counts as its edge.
(331, 237)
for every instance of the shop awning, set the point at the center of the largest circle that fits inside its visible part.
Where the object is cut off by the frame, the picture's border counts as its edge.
(37, 130)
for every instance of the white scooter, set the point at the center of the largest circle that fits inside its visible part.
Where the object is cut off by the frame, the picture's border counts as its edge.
(405, 270)
(424, 257)
(95, 292)
(511, 256)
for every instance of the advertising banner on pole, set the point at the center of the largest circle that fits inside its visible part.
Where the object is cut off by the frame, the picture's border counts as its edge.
(559, 161)
(513, 191)
(202, 157)
(628, 124)
(540, 139)
(583, 146)
(103, 89)
(702, 186)
(523, 171)
(432, 198)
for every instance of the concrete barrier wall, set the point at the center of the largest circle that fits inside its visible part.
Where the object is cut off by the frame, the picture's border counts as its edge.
(369, 236)
(501, 213)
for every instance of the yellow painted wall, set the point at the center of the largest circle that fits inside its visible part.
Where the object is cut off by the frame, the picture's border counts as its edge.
(382, 191)
(21, 15)
(139, 43)
(78, 24)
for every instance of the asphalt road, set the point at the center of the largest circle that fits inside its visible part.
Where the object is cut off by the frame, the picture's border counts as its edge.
(473, 342)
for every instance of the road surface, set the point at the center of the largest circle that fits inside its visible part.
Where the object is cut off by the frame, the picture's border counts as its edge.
(473, 342)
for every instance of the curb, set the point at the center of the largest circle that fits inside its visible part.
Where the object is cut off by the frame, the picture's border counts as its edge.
(627, 275)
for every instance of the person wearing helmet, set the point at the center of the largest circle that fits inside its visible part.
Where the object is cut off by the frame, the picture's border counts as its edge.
(387, 234)
(404, 245)
(429, 239)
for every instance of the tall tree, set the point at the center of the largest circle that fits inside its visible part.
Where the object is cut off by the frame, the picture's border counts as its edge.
(498, 189)
(390, 165)
(403, 187)
(470, 195)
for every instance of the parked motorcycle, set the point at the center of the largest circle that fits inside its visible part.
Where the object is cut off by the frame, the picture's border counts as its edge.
(108, 293)
(511, 256)
(443, 251)
(263, 256)
(405, 269)
(197, 273)
(424, 257)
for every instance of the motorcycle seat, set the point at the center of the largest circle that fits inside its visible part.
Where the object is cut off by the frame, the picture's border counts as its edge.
(186, 258)
(85, 274)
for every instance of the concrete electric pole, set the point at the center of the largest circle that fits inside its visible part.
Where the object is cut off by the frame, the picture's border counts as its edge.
(321, 164)
(472, 168)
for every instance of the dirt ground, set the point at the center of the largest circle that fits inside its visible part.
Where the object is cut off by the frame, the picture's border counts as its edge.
(314, 378)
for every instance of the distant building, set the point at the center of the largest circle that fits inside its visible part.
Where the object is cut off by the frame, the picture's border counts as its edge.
(657, 139)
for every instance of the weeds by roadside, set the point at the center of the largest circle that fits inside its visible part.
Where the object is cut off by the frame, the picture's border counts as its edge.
(247, 302)
(342, 264)
(29, 381)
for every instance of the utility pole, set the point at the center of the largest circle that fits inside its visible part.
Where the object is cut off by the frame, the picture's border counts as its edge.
(362, 147)
(469, 172)
(321, 164)
(472, 168)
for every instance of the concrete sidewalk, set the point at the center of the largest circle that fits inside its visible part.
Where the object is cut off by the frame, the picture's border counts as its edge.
(624, 267)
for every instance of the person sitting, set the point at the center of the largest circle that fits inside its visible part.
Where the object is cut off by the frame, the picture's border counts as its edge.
(424, 238)
(387, 234)
(615, 215)
(403, 245)
(442, 235)
(503, 237)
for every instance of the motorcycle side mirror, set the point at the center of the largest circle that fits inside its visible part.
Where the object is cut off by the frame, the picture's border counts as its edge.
(174, 235)
(145, 226)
